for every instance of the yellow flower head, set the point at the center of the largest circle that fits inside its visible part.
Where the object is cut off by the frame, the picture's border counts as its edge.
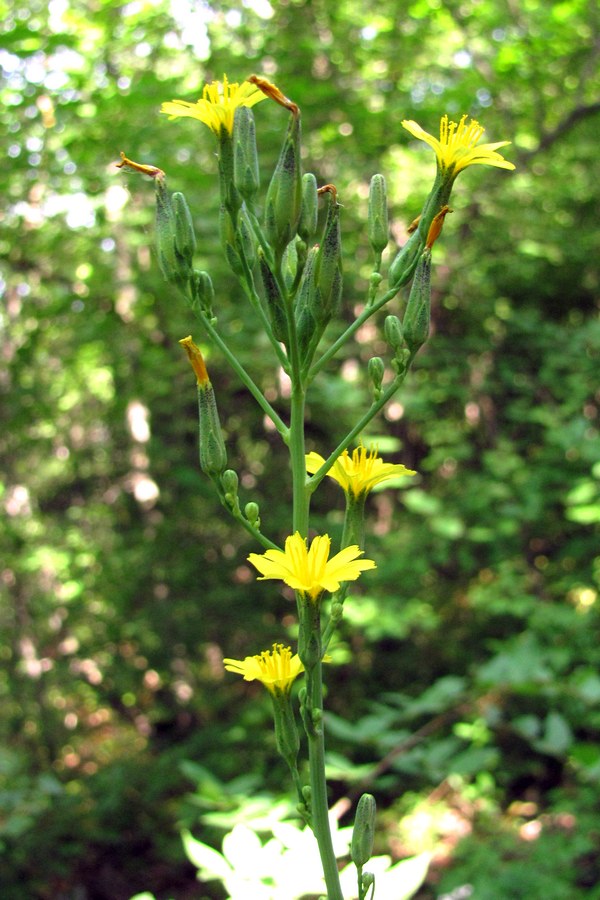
(457, 147)
(359, 473)
(218, 104)
(310, 570)
(276, 668)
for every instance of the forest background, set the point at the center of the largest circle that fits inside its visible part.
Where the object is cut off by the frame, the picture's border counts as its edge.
(469, 661)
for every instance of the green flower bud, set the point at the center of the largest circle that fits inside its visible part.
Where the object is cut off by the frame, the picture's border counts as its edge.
(309, 213)
(401, 361)
(228, 240)
(403, 264)
(245, 158)
(172, 264)
(203, 292)
(230, 197)
(246, 241)
(229, 485)
(274, 300)
(376, 370)
(230, 482)
(252, 513)
(213, 455)
(392, 330)
(417, 314)
(307, 302)
(377, 223)
(185, 237)
(363, 833)
(366, 882)
(284, 195)
(329, 265)
(289, 264)
(320, 287)
(337, 611)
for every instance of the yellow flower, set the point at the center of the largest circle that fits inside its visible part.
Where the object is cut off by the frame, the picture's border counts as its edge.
(310, 570)
(218, 104)
(359, 473)
(276, 668)
(457, 147)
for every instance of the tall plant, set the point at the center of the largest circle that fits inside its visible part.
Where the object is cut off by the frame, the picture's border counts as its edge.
(295, 287)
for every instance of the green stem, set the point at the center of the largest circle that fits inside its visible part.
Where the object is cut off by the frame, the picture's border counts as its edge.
(311, 654)
(298, 462)
(236, 513)
(253, 297)
(309, 642)
(318, 794)
(352, 329)
(244, 376)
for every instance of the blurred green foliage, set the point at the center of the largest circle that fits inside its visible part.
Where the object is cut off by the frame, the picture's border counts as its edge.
(466, 680)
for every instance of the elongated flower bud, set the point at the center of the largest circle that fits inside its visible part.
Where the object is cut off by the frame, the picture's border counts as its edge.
(284, 196)
(228, 240)
(245, 157)
(307, 300)
(290, 262)
(363, 833)
(403, 264)
(417, 314)
(172, 264)
(377, 222)
(213, 455)
(329, 264)
(307, 227)
(246, 241)
(175, 239)
(185, 237)
(230, 197)
(274, 300)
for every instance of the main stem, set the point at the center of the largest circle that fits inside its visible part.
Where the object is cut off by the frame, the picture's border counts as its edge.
(310, 634)
(318, 784)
